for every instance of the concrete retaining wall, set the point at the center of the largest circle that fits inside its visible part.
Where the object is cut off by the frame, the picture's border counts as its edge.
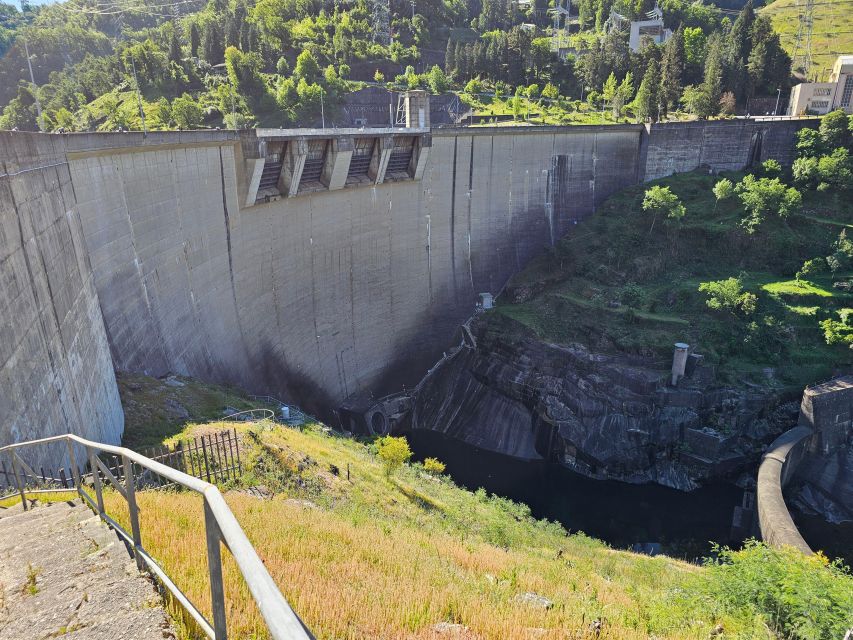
(777, 467)
(55, 370)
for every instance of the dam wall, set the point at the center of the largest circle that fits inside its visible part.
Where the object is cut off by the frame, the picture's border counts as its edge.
(56, 374)
(220, 255)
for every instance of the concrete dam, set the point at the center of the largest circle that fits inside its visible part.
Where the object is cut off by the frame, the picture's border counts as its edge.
(311, 264)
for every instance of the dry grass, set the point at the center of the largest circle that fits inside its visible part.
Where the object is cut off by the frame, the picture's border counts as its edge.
(391, 558)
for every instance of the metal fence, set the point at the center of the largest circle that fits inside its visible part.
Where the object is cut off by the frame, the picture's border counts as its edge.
(220, 525)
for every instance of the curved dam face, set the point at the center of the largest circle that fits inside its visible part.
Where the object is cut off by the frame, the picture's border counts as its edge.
(294, 261)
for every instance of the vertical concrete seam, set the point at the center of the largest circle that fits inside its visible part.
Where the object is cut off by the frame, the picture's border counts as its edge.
(453, 219)
(230, 256)
(470, 186)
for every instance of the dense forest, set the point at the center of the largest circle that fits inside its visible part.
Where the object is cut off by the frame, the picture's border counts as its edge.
(107, 64)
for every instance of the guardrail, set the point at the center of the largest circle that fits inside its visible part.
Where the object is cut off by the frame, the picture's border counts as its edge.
(220, 526)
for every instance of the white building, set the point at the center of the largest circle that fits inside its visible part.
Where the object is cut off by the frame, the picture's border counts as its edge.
(822, 97)
(652, 27)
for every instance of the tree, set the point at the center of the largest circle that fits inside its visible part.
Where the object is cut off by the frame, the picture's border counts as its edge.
(693, 99)
(723, 190)
(728, 295)
(438, 82)
(610, 88)
(195, 40)
(282, 66)
(809, 143)
(394, 453)
(771, 168)
(835, 170)
(763, 196)
(623, 94)
(450, 58)
(712, 84)
(306, 66)
(647, 101)
(833, 130)
(186, 112)
(671, 72)
(379, 77)
(662, 201)
(695, 43)
(728, 103)
(551, 92)
(175, 53)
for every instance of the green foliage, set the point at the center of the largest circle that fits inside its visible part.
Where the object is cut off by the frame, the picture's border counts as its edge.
(763, 196)
(835, 170)
(394, 453)
(186, 112)
(724, 189)
(728, 295)
(837, 332)
(834, 130)
(434, 466)
(771, 168)
(437, 80)
(811, 267)
(798, 596)
(661, 200)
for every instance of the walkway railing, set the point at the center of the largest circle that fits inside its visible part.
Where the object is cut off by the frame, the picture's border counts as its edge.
(220, 526)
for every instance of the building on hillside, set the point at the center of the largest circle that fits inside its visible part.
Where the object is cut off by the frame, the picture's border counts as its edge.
(378, 107)
(651, 27)
(819, 98)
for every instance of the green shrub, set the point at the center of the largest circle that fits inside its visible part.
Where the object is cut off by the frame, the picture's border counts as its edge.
(811, 267)
(394, 453)
(728, 295)
(434, 466)
(798, 596)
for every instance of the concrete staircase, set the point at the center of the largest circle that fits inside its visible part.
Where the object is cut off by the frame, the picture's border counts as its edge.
(64, 574)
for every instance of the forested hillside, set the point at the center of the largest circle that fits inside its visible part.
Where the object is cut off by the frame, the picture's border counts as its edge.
(238, 63)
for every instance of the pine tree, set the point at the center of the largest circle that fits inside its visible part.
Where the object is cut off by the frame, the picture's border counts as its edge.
(647, 98)
(740, 38)
(712, 85)
(672, 71)
(195, 40)
(450, 58)
(175, 53)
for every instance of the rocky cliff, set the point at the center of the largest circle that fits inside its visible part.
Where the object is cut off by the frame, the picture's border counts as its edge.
(605, 415)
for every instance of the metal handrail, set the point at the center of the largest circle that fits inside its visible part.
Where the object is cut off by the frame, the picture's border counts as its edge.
(266, 414)
(220, 526)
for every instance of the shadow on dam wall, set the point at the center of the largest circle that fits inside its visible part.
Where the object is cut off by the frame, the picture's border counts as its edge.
(313, 297)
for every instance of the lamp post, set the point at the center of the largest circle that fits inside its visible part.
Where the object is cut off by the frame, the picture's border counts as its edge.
(778, 97)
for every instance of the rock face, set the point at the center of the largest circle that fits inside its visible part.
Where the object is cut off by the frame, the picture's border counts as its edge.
(605, 416)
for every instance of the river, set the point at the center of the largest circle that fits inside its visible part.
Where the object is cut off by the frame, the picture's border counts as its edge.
(619, 513)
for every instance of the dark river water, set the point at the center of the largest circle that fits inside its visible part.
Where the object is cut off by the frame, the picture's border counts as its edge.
(621, 514)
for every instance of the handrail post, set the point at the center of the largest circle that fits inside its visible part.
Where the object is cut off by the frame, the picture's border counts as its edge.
(214, 566)
(130, 489)
(75, 471)
(18, 482)
(96, 480)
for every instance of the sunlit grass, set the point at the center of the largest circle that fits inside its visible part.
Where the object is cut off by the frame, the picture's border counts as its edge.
(378, 557)
(796, 288)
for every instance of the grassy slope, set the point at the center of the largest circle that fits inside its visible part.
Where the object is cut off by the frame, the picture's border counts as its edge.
(655, 272)
(371, 556)
(832, 34)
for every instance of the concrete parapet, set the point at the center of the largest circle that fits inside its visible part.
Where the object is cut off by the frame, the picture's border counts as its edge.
(777, 466)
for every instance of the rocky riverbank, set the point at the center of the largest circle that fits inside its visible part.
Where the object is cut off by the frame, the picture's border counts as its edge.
(605, 415)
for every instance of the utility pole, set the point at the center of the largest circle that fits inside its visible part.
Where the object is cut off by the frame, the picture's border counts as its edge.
(322, 110)
(35, 86)
(778, 97)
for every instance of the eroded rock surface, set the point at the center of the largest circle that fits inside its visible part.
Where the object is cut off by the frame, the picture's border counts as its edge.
(605, 416)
